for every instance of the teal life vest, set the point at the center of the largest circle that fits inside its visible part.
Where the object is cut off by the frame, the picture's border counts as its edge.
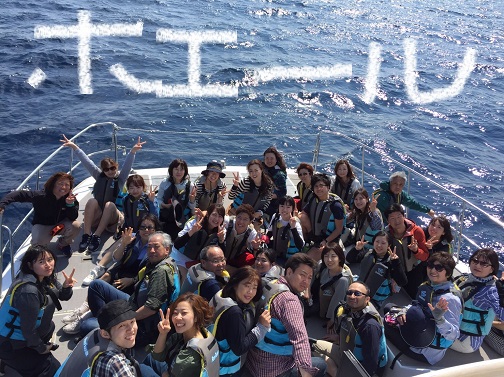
(363, 228)
(229, 362)
(236, 244)
(208, 349)
(426, 294)
(322, 218)
(196, 276)
(476, 321)
(134, 210)
(283, 240)
(376, 276)
(277, 340)
(350, 338)
(10, 322)
(106, 189)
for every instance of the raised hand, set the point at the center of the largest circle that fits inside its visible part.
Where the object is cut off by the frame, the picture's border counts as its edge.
(413, 246)
(199, 213)
(127, 236)
(431, 242)
(164, 326)
(69, 143)
(393, 254)
(265, 318)
(236, 179)
(192, 195)
(374, 202)
(198, 224)
(69, 279)
(439, 310)
(256, 242)
(360, 244)
(152, 193)
(222, 195)
(221, 233)
(70, 199)
(138, 145)
(293, 222)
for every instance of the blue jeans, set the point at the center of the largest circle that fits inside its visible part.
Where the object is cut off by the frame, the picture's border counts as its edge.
(99, 293)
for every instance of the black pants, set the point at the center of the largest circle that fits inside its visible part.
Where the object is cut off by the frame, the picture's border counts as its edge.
(28, 362)
(395, 337)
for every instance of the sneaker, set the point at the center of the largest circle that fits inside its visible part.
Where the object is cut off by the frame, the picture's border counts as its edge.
(84, 242)
(94, 243)
(74, 327)
(76, 313)
(67, 251)
(95, 273)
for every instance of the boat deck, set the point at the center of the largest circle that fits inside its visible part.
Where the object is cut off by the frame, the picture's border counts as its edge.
(404, 366)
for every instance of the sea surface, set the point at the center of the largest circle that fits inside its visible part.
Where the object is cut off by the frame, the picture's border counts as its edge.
(454, 136)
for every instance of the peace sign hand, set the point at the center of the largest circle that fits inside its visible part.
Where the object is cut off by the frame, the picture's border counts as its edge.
(69, 280)
(431, 242)
(236, 179)
(70, 199)
(164, 326)
(192, 195)
(222, 195)
(196, 226)
(374, 202)
(152, 193)
(413, 246)
(256, 242)
(293, 222)
(393, 254)
(69, 143)
(360, 244)
(221, 233)
(137, 146)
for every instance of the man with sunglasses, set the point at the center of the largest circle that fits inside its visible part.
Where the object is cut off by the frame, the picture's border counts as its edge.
(359, 328)
(101, 212)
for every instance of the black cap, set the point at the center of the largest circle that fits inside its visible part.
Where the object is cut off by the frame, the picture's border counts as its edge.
(419, 329)
(115, 312)
(215, 167)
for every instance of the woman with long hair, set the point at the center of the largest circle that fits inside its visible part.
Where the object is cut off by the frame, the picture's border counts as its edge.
(26, 325)
(256, 190)
(235, 326)
(345, 183)
(438, 235)
(191, 350)
(176, 196)
(304, 190)
(367, 218)
(275, 167)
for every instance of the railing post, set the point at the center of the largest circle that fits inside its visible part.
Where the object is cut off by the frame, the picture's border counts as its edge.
(1, 249)
(460, 231)
(316, 152)
(408, 190)
(362, 167)
(114, 142)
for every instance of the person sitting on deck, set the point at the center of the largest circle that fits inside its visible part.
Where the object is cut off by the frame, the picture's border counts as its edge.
(345, 183)
(483, 300)
(408, 239)
(135, 205)
(241, 244)
(358, 328)
(107, 350)
(265, 265)
(323, 218)
(381, 267)
(156, 286)
(438, 235)
(284, 231)
(209, 276)
(256, 190)
(55, 211)
(210, 189)
(274, 166)
(428, 327)
(391, 192)
(101, 212)
(286, 350)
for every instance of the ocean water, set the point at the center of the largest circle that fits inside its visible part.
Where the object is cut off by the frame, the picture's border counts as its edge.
(456, 138)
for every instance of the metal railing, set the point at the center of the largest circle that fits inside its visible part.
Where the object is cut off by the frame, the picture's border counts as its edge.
(316, 154)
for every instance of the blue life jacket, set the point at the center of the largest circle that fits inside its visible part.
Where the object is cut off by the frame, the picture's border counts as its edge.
(10, 323)
(283, 240)
(277, 340)
(322, 218)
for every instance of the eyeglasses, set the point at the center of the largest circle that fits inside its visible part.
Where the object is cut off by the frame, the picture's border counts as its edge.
(217, 261)
(482, 264)
(437, 267)
(143, 227)
(111, 168)
(355, 293)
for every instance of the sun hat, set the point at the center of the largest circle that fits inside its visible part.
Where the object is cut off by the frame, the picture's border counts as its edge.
(215, 167)
(115, 312)
(420, 329)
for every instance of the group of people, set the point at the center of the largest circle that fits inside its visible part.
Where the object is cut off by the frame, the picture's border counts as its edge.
(224, 291)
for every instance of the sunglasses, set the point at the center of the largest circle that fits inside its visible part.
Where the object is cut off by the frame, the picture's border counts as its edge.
(437, 267)
(110, 168)
(355, 293)
(482, 264)
(141, 227)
